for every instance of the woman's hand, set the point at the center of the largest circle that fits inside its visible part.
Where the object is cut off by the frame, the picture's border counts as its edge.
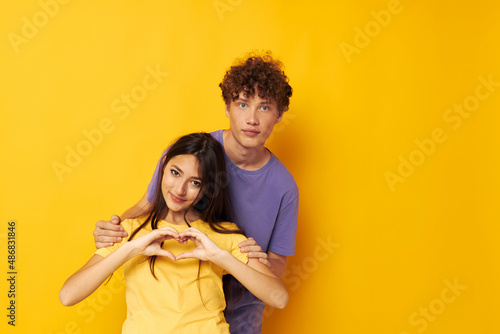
(206, 249)
(150, 244)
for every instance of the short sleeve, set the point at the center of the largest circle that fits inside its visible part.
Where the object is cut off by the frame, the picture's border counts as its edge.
(283, 238)
(231, 241)
(235, 249)
(105, 251)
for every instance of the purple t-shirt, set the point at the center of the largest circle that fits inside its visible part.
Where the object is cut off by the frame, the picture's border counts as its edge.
(264, 202)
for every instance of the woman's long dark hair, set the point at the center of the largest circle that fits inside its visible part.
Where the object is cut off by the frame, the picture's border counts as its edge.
(214, 206)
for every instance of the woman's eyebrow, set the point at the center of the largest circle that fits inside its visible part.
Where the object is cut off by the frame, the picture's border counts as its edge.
(177, 167)
(180, 170)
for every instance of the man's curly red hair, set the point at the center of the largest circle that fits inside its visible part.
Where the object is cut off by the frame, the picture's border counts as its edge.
(257, 71)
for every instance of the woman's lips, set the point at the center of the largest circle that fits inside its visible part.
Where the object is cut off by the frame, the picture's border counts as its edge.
(177, 199)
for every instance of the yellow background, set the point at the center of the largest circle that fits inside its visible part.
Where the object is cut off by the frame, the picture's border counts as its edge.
(370, 257)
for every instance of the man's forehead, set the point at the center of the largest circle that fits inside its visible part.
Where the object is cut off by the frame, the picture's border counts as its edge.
(244, 96)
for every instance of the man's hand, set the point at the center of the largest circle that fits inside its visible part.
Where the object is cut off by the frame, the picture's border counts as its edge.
(106, 233)
(254, 251)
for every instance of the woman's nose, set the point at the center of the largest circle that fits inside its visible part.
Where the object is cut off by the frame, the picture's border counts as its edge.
(181, 188)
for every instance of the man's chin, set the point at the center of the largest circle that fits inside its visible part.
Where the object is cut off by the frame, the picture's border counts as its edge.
(249, 142)
(252, 143)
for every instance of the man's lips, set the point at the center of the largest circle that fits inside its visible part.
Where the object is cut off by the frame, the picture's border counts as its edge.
(250, 132)
(177, 199)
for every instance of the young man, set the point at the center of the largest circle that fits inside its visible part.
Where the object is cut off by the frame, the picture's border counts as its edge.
(264, 195)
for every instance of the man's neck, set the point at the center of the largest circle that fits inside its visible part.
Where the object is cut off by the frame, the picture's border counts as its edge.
(245, 158)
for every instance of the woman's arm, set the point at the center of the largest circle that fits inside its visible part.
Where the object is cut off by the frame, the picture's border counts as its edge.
(254, 275)
(88, 278)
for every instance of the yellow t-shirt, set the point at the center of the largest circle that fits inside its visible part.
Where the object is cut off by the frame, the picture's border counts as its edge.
(173, 303)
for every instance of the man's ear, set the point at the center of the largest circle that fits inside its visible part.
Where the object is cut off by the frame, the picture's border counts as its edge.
(280, 117)
(227, 110)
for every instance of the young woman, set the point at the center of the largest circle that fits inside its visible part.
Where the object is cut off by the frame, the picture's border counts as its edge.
(174, 258)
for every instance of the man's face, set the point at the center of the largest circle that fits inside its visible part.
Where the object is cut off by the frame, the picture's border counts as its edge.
(252, 119)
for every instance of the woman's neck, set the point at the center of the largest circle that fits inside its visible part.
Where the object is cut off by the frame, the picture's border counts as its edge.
(180, 218)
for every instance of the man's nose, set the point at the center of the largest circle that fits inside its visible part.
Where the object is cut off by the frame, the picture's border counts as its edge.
(252, 118)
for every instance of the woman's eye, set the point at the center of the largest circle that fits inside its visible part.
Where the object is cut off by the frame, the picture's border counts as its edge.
(196, 184)
(174, 172)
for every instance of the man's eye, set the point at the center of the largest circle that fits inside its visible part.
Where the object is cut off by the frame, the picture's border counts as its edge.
(265, 108)
(243, 105)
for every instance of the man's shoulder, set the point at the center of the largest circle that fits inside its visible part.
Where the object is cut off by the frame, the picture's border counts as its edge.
(217, 134)
(281, 174)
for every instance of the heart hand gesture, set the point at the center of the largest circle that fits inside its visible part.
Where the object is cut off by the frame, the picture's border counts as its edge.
(150, 244)
(205, 249)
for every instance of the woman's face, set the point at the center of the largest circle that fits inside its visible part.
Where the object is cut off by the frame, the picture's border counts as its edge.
(181, 183)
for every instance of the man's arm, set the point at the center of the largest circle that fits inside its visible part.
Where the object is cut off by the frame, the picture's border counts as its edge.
(278, 263)
(141, 208)
(106, 233)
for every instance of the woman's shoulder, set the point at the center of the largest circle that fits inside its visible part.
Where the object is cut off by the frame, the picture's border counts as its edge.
(224, 226)
(229, 226)
(132, 223)
(227, 234)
